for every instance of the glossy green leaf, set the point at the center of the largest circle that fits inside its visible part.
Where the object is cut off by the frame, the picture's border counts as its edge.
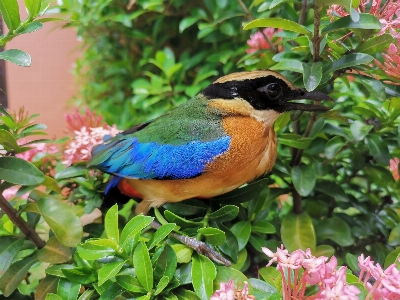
(242, 231)
(375, 87)
(304, 178)
(17, 57)
(111, 223)
(258, 284)
(332, 189)
(160, 234)
(336, 230)
(54, 252)
(112, 292)
(394, 237)
(82, 275)
(130, 283)
(294, 140)
(134, 226)
(162, 284)
(225, 213)
(224, 274)
(278, 23)
(375, 44)
(181, 222)
(213, 236)
(288, 65)
(91, 251)
(187, 208)
(8, 141)
(142, 264)
(359, 130)
(281, 121)
(66, 226)
(33, 7)
(9, 248)
(349, 60)
(391, 257)
(297, 232)
(19, 171)
(15, 274)
(203, 275)
(70, 172)
(312, 75)
(187, 22)
(87, 295)
(109, 270)
(183, 253)
(378, 148)
(68, 290)
(352, 262)
(10, 12)
(333, 147)
(31, 27)
(166, 263)
(366, 21)
(263, 226)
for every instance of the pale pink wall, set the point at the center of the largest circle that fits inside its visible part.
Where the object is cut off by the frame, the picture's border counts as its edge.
(47, 85)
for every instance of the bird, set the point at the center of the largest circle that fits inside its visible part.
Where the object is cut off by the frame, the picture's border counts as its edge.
(214, 143)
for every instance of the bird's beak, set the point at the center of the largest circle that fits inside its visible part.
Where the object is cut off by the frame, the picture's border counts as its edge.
(300, 94)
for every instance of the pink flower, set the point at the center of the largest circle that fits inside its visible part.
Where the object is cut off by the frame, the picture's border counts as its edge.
(394, 168)
(76, 120)
(35, 149)
(388, 13)
(228, 291)
(262, 40)
(391, 64)
(10, 193)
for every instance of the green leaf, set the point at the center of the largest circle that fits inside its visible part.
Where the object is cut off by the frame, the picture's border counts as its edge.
(82, 275)
(294, 140)
(46, 286)
(111, 223)
(336, 230)
(15, 274)
(213, 236)
(394, 237)
(304, 179)
(263, 226)
(50, 183)
(231, 245)
(181, 222)
(349, 60)
(66, 226)
(134, 226)
(130, 283)
(297, 232)
(160, 234)
(333, 147)
(143, 268)
(19, 171)
(375, 87)
(10, 11)
(263, 286)
(87, 295)
(52, 296)
(8, 141)
(324, 250)
(391, 257)
(183, 253)
(359, 130)
(225, 213)
(17, 57)
(68, 290)
(366, 21)
(33, 7)
(91, 251)
(278, 23)
(312, 75)
(70, 172)
(375, 44)
(9, 248)
(352, 262)
(162, 284)
(242, 231)
(166, 263)
(281, 121)
(186, 295)
(109, 270)
(378, 148)
(187, 22)
(203, 275)
(288, 65)
(224, 274)
(31, 27)
(54, 252)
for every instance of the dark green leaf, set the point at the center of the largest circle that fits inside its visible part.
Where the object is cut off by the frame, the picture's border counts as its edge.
(294, 140)
(278, 23)
(8, 141)
(134, 226)
(352, 262)
(366, 21)
(17, 57)
(111, 223)
(31, 27)
(181, 222)
(186, 295)
(19, 171)
(263, 227)
(109, 270)
(130, 283)
(297, 232)
(348, 61)
(203, 275)
(375, 44)
(242, 231)
(142, 264)
(187, 22)
(82, 275)
(9, 248)
(288, 65)
(54, 252)
(312, 75)
(394, 237)
(378, 148)
(112, 292)
(70, 172)
(230, 247)
(304, 179)
(333, 147)
(225, 213)
(166, 263)
(335, 229)
(359, 130)
(332, 189)
(68, 290)
(391, 257)
(375, 87)
(213, 236)
(87, 295)
(160, 234)
(10, 11)
(15, 274)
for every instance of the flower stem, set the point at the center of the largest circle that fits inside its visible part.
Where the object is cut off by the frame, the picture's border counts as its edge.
(27, 230)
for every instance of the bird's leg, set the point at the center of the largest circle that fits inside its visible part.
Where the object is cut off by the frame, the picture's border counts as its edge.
(197, 245)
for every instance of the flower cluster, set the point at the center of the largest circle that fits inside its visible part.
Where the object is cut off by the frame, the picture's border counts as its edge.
(35, 149)
(262, 40)
(89, 131)
(394, 168)
(228, 291)
(388, 13)
(391, 64)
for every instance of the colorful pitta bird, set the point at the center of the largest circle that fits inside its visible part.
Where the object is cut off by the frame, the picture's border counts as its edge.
(214, 143)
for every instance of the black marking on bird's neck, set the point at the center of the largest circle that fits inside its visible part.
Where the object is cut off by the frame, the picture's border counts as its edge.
(249, 90)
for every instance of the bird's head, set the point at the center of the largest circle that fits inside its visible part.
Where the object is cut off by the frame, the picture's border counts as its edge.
(263, 90)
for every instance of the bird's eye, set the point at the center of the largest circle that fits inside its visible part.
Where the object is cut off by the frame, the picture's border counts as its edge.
(273, 90)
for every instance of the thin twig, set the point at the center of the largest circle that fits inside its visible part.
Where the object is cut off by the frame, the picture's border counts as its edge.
(27, 230)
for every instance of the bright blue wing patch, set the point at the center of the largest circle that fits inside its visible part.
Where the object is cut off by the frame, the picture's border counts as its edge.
(130, 158)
